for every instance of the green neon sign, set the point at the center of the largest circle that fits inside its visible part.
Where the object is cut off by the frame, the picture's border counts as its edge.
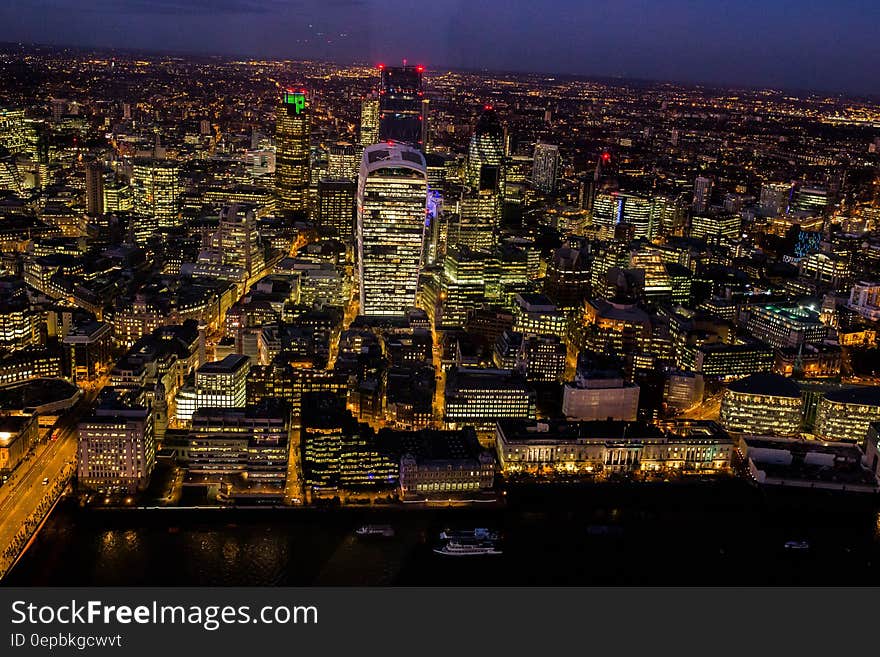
(297, 99)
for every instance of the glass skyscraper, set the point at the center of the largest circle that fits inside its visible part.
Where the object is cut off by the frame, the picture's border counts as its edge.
(391, 208)
(400, 105)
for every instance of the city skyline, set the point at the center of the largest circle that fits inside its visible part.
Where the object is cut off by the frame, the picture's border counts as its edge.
(736, 46)
(544, 314)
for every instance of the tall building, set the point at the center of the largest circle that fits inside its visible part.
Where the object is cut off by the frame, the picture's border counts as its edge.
(702, 193)
(369, 132)
(342, 161)
(292, 144)
(400, 105)
(479, 219)
(545, 167)
(336, 207)
(486, 153)
(156, 190)
(391, 206)
(237, 240)
(94, 188)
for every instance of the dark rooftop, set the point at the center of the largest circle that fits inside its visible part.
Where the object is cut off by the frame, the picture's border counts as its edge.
(766, 383)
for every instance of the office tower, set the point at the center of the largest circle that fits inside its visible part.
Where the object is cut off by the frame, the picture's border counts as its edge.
(486, 153)
(667, 215)
(237, 240)
(156, 190)
(716, 226)
(614, 209)
(117, 197)
(545, 167)
(811, 199)
(391, 207)
(218, 384)
(844, 415)
(336, 207)
(89, 347)
(117, 450)
(400, 105)
(292, 149)
(702, 193)
(787, 325)
(637, 211)
(543, 357)
(94, 188)
(342, 162)
(479, 219)
(369, 132)
(480, 397)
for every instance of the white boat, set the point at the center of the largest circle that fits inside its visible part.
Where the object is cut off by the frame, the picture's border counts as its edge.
(375, 530)
(478, 533)
(797, 545)
(455, 548)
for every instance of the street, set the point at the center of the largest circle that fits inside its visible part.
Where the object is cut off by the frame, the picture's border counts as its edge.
(25, 498)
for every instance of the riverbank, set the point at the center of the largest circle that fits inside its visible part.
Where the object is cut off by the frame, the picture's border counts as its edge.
(695, 533)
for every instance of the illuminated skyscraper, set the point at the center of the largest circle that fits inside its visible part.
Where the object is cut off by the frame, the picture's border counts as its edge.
(342, 162)
(391, 207)
(292, 143)
(545, 167)
(400, 105)
(486, 153)
(156, 190)
(479, 219)
(369, 133)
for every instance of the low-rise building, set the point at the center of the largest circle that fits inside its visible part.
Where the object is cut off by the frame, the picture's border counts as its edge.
(17, 434)
(448, 464)
(844, 415)
(762, 404)
(529, 446)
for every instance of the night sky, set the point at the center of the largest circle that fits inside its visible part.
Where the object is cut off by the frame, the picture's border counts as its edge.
(831, 45)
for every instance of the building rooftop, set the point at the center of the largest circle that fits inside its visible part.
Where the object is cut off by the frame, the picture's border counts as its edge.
(766, 383)
(229, 364)
(866, 395)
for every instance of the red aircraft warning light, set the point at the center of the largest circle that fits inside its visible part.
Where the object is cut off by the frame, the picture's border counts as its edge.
(606, 156)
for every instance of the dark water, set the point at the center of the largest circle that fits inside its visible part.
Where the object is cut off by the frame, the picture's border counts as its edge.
(722, 533)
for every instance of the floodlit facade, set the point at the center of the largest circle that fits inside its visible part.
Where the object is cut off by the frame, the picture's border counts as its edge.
(529, 446)
(391, 206)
